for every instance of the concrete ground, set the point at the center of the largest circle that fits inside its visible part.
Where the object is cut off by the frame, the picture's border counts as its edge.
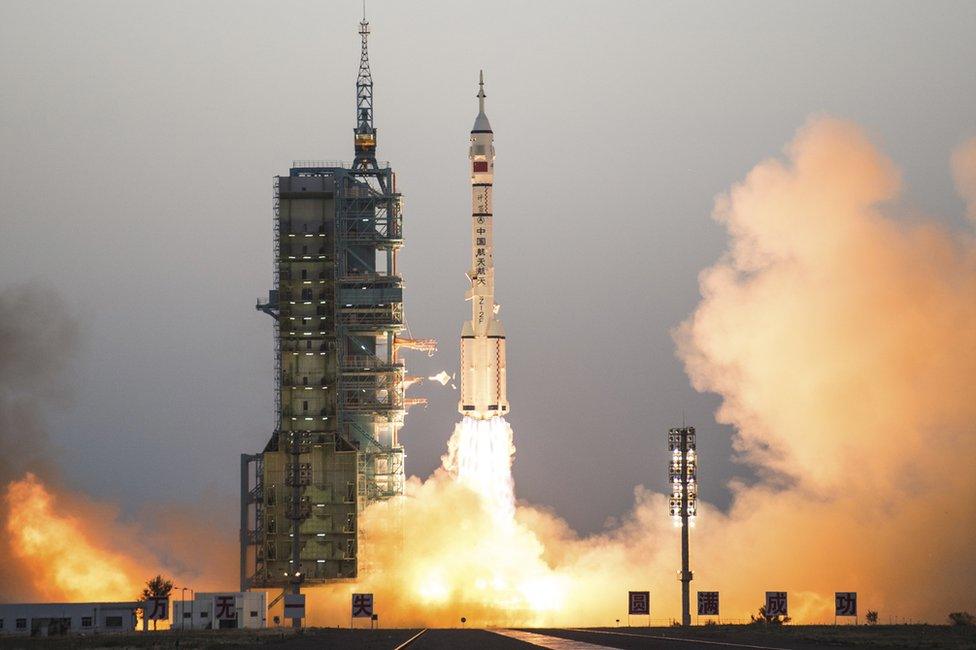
(625, 638)
(748, 636)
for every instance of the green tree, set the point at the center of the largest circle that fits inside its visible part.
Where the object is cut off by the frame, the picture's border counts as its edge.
(962, 618)
(871, 617)
(158, 587)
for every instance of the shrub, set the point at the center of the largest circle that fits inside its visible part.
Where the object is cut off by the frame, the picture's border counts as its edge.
(763, 618)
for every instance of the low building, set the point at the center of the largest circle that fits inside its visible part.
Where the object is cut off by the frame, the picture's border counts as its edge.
(50, 619)
(221, 610)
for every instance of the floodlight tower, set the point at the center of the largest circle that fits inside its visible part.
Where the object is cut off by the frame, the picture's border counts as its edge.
(683, 474)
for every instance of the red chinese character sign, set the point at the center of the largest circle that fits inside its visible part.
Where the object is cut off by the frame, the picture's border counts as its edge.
(776, 603)
(362, 605)
(708, 603)
(639, 602)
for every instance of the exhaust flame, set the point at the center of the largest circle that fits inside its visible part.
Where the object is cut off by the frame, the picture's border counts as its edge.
(479, 456)
(67, 548)
(64, 563)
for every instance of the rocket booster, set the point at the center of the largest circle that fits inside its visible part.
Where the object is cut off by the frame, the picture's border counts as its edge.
(482, 338)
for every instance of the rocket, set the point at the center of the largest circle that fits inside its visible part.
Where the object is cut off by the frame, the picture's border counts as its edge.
(482, 338)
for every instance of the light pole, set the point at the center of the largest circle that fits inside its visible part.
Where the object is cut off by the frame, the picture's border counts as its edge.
(683, 474)
(182, 607)
(183, 591)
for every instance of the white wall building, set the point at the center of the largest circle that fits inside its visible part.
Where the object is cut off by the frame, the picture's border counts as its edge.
(50, 619)
(219, 610)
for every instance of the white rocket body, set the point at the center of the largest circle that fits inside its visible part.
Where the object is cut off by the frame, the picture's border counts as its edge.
(483, 390)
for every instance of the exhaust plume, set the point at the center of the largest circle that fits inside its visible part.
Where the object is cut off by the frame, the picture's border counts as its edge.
(55, 544)
(479, 455)
(841, 339)
(37, 340)
(964, 173)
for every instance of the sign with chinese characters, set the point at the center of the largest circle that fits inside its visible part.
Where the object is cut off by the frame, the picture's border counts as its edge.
(294, 605)
(362, 605)
(224, 609)
(845, 603)
(708, 603)
(776, 603)
(639, 602)
(156, 609)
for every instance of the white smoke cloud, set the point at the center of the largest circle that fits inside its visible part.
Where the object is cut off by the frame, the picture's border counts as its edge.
(964, 173)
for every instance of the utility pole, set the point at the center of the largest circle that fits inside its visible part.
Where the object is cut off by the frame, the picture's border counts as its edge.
(682, 474)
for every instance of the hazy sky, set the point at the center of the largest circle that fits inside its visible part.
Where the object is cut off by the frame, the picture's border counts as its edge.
(138, 141)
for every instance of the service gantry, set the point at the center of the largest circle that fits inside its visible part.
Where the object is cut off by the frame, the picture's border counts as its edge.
(337, 305)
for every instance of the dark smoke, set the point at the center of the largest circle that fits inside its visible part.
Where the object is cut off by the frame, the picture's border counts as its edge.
(38, 339)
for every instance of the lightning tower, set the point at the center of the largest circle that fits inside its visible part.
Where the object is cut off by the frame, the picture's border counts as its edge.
(365, 132)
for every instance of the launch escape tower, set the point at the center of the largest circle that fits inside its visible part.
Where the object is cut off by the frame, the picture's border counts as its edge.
(337, 305)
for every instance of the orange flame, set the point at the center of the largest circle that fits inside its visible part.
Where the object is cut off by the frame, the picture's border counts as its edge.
(64, 561)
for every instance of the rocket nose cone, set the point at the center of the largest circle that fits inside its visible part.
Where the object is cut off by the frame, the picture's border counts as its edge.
(481, 124)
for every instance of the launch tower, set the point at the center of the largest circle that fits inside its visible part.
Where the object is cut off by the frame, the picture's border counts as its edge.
(337, 305)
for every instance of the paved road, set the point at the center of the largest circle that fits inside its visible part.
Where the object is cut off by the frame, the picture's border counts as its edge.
(657, 639)
(467, 640)
(573, 639)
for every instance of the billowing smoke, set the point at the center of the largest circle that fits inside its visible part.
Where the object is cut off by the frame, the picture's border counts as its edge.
(841, 337)
(964, 172)
(37, 339)
(56, 544)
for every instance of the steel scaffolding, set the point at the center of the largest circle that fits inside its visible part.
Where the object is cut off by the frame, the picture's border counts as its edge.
(338, 310)
(337, 305)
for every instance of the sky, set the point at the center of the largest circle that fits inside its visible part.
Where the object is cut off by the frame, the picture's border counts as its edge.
(138, 142)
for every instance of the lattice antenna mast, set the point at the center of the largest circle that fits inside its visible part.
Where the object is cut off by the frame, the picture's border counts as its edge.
(365, 133)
